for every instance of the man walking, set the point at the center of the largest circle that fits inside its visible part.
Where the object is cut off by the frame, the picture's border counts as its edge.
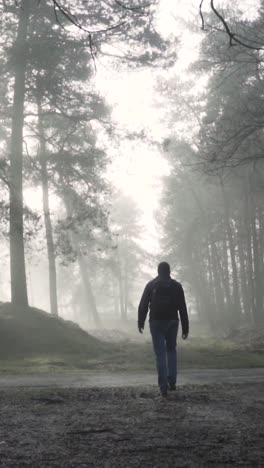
(164, 297)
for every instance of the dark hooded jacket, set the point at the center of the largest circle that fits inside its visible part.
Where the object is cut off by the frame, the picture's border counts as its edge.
(170, 312)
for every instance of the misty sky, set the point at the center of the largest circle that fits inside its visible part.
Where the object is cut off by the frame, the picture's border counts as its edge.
(137, 168)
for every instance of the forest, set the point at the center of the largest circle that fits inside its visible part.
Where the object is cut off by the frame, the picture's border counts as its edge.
(131, 145)
(75, 243)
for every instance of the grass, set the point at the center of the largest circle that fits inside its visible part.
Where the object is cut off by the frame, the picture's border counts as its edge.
(218, 353)
(194, 353)
(32, 338)
(33, 341)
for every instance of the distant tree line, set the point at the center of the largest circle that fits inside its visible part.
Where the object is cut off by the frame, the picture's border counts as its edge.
(213, 200)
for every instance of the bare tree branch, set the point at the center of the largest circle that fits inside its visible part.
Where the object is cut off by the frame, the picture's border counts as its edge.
(221, 18)
(136, 8)
(201, 15)
(72, 18)
(234, 38)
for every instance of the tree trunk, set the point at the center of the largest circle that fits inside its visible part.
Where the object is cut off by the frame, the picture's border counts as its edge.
(207, 292)
(249, 257)
(226, 270)
(89, 297)
(87, 286)
(261, 246)
(115, 296)
(261, 237)
(126, 297)
(204, 288)
(244, 285)
(121, 298)
(120, 278)
(221, 278)
(211, 291)
(220, 308)
(236, 312)
(47, 218)
(17, 254)
(259, 315)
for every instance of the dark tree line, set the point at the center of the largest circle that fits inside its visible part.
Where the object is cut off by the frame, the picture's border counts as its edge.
(214, 239)
(213, 200)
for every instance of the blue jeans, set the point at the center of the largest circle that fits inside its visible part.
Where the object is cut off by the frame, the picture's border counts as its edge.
(164, 337)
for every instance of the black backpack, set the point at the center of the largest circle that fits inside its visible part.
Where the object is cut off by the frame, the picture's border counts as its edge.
(163, 296)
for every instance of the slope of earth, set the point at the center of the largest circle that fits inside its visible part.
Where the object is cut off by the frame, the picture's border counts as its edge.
(29, 332)
(32, 340)
(215, 425)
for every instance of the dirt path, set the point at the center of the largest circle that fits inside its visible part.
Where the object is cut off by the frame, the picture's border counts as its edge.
(116, 420)
(219, 425)
(99, 379)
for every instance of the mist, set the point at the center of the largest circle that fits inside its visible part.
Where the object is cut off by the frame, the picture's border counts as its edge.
(132, 183)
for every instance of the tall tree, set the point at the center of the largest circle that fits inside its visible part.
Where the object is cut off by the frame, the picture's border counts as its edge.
(46, 210)
(100, 24)
(127, 230)
(17, 255)
(59, 68)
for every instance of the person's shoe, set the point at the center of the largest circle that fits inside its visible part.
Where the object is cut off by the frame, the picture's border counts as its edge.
(172, 387)
(164, 392)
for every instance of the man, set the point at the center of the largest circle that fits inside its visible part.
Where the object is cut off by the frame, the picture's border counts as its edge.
(165, 298)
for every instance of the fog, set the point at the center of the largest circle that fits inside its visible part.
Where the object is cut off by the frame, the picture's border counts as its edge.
(132, 233)
(132, 135)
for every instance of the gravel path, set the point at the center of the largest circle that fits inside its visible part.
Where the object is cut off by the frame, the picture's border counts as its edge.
(99, 379)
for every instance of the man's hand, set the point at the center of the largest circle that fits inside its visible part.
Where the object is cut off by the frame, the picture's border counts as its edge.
(184, 336)
(140, 328)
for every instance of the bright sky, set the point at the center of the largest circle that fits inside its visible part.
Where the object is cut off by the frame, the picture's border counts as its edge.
(138, 168)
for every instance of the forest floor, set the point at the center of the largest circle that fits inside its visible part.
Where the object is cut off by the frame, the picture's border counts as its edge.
(217, 425)
(68, 399)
